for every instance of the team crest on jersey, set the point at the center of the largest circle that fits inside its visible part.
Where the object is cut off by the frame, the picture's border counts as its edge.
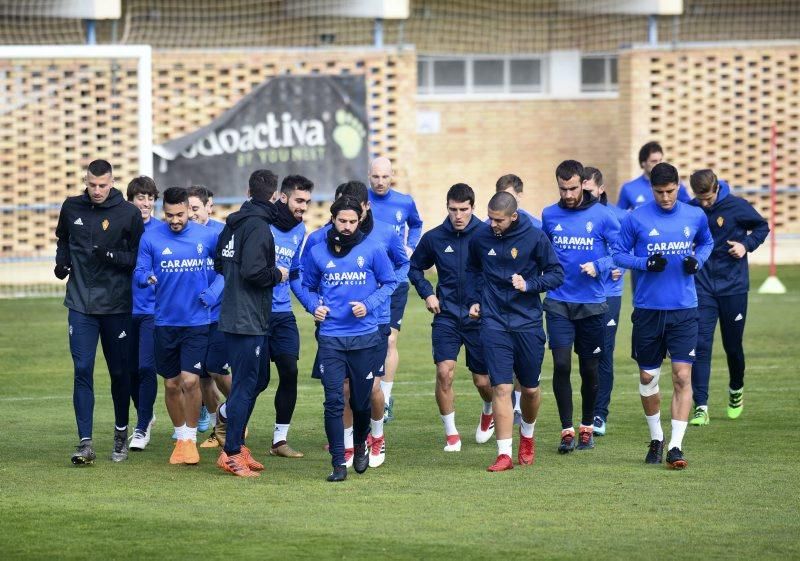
(360, 262)
(589, 227)
(686, 231)
(514, 252)
(399, 216)
(104, 224)
(720, 221)
(199, 249)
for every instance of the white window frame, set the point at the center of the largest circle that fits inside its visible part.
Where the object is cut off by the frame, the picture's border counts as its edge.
(607, 85)
(470, 90)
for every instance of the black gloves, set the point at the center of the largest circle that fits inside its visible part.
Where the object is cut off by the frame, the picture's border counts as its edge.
(61, 271)
(104, 254)
(656, 263)
(690, 265)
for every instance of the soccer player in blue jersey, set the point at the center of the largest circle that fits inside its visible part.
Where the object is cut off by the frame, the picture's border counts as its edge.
(446, 247)
(143, 193)
(215, 377)
(509, 264)
(613, 287)
(668, 242)
(173, 257)
(722, 287)
(637, 192)
(288, 231)
(347, 279)
(399, 210)
(581, 230)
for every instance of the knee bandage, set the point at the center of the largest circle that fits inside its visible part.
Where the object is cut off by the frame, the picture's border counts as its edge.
(646, 390)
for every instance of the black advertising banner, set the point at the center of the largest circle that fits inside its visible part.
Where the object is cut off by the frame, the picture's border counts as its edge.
(314, 126)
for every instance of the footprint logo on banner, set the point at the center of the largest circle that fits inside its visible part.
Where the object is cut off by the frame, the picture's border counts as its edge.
(349, 134)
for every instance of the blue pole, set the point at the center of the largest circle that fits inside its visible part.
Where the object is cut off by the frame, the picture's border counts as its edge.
(91, 35)
(652, 30)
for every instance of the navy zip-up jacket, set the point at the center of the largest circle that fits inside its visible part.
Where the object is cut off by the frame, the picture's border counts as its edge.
(729, 218)
(447, 249)
(524, 250)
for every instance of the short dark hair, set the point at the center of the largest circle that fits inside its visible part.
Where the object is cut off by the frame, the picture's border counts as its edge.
(461, 193)
(569, 168)
(651, 147)
(594, 174)
(346, 202)
(664, 174)
(703, 181)
(503, 202)
(142, 185)
(509, 180)
(296, 183)
(176, 196)
(100, 167)
(200, 192)
(263, 184)
(354, 189)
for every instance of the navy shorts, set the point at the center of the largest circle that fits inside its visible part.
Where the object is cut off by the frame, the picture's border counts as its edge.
(216, 353)
(517, 351)
(658, 332)
(283, 336)
(180, 349)
(588, 334)
(446, 340)
(398, 305)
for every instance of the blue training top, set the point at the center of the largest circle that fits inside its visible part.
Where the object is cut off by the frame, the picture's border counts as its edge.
(639, 191)
(287, 255)
(674, 233)
(179, 263)
(144, 298)
(399, 210)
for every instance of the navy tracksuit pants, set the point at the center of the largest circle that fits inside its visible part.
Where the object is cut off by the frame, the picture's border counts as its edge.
(249, 361)
(113, 331)
(143, 368)
(605, 373)
(731, 311)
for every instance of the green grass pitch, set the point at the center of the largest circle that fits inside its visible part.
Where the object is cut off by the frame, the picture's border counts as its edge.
(738, 498)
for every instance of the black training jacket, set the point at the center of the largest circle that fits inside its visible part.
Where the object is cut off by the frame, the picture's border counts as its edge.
(98, 284)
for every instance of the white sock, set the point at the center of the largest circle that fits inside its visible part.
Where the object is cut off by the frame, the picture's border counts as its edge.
(703, 407)
(517, 399)
(212, 419)
(654, 422)
(348, 438)
(678, 430)
(179, 432)
(280, 433)
(223, 410)
(386, 388)
(376, 427)
(190, 433)
(449, 423)
(504, 446)
(121, 428)
(526, 429)
(487, 407)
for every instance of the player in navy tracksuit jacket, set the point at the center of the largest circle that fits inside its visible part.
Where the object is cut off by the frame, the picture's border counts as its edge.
(446, 247)
(510, 263)
(722, 287)
(668, 241)
(581, 231)
(347, 279)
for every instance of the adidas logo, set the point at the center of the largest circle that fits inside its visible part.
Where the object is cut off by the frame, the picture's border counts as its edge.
(330, 265)
(692, 353)
(654, 232)
(79, 222)
(370, 376)
(122, 335)
(381, 368)
(198, 366)
(738, 318)
(611, 323)
(597, 351)
(558, 228)
(448, 249)
(491, 252)
(167, 251)
(228, 250)
(399, 321)
(640, 199)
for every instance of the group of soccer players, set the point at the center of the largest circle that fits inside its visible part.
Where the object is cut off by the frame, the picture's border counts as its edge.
(207, 305)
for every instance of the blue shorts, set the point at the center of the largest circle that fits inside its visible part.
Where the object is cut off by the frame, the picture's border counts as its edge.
(398, 305)
(180, 349)
(657, 332)
(216, 353)
(588, 334)
(283, 336)
(446, 340)
(517, 351)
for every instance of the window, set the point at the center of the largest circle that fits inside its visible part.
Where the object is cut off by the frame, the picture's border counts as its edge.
(599, 73)
(479, 74)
